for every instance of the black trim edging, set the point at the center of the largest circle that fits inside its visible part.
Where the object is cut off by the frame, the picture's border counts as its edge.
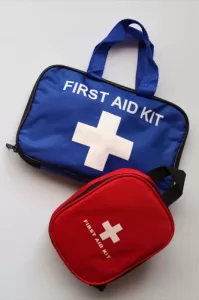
(38, 163)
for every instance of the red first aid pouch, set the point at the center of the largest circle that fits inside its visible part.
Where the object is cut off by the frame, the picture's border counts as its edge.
(115, 223)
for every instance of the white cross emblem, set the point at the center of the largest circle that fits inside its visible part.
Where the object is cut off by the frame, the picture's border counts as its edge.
(102, 141)
(111, 232)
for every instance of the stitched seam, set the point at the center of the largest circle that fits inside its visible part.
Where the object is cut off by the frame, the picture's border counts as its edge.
(130, 266)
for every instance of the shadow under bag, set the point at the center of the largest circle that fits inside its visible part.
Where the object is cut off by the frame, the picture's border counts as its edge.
(78, 124)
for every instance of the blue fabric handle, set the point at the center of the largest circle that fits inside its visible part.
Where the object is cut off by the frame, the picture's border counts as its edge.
(147, 70)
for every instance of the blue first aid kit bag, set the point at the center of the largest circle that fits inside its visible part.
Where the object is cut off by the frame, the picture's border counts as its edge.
(77, 123)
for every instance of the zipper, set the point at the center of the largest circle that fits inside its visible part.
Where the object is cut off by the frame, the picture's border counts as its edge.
(11, 147)
(90, 188)
(95, 185)
(38, 163)
(60, 209)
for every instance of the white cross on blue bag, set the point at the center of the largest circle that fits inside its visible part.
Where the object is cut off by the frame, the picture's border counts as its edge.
(78, 124)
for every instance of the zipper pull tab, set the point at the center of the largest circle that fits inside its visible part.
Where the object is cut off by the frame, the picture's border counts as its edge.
(14, 148)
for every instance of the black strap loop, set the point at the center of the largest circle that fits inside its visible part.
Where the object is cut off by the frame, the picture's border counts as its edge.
(178, 177)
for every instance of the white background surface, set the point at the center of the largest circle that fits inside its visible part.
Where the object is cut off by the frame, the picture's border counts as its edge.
(36, 34)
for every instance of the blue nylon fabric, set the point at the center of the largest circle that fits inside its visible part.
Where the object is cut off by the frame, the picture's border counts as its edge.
(47, 132)
(147, 71)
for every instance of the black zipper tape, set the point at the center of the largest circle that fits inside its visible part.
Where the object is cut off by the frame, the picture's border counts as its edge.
(38, 163)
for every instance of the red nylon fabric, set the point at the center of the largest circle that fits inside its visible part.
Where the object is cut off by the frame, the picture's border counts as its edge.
(102, 233)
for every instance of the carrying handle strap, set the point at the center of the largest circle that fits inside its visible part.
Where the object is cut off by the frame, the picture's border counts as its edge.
(178, 177)
(147, 70)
